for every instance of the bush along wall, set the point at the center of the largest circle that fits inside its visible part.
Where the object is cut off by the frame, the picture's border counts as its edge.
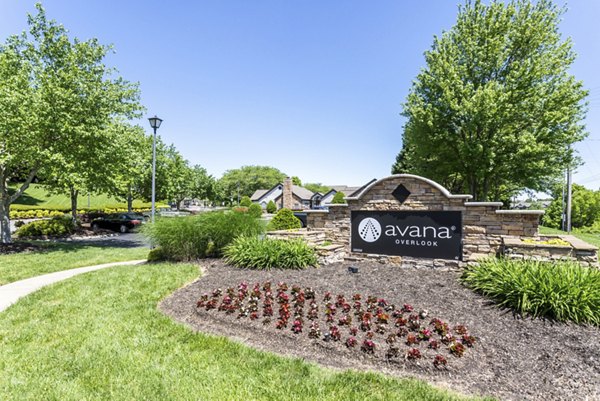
(284, 220)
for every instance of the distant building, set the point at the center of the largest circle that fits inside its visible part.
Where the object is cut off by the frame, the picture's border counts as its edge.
(299, 198)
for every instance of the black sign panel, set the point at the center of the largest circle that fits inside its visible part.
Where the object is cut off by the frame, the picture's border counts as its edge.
(422, 234)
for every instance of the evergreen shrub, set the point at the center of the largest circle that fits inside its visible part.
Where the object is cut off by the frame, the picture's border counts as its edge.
(271, 207)
(284, 220)
(56, 226)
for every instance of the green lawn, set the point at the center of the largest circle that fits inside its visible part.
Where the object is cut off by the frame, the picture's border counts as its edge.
(62, 256)
(36, 197)
(99, 336)
(593, 239)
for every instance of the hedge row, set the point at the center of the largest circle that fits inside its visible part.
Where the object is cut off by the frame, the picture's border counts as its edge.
(43, 213)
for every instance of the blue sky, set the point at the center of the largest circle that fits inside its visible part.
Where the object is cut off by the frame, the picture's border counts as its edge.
(313, 88)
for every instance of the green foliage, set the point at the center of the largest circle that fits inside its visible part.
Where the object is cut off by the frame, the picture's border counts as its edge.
(585, 208)
(495, 109)
(247, 179)
(317, 187)
(57, 102)
(245, 201)
(284, 220)
(296, 181)
(204, 235)
(255, 210)
(338, 198)
(156, 255)
(268, 253)
(56, 226)
(271, 207)
(562, 291)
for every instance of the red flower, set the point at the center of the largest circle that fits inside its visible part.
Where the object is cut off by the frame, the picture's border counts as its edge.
(439, 361)
(368, 346)
(457, 349)
(413, 353)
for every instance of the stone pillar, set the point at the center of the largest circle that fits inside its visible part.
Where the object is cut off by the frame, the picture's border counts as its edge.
(287, 197)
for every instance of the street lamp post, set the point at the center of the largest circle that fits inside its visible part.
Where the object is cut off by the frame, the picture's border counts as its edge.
(155, 124)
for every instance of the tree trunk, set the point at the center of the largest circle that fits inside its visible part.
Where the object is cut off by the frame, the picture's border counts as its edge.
(74, 193)
(129, 202)
(5, 237)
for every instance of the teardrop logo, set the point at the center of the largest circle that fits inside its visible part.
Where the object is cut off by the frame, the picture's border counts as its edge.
(369, 229)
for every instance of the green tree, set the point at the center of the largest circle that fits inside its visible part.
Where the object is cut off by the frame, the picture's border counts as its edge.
(296, 181)
(495, 110)
(133, 166)
(271, 207)
(317, 187)
(247, 179)
(585, 208)
(245, 201)
(202, 185)
(57, 98)
(338, 198)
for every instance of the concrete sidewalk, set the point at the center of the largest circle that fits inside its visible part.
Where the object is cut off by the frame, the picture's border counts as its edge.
(10, 293)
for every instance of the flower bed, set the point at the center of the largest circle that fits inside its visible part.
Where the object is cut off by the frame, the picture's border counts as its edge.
(367, 324)
(513, 357)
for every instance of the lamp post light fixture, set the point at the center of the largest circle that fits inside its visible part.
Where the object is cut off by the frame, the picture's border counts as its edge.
(155, 124)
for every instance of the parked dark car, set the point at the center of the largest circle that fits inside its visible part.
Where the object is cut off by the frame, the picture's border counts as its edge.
(122, 222)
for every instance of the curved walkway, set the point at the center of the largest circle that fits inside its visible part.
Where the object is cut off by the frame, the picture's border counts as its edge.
(10, 293)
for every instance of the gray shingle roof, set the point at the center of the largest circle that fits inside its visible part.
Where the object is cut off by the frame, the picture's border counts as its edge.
(258, 194)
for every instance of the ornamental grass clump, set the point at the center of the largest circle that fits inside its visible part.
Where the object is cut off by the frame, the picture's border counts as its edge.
(205, 235)
(563, 291)
(268, 253)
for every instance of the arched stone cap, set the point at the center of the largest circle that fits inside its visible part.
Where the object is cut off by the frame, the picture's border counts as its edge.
(432, 183)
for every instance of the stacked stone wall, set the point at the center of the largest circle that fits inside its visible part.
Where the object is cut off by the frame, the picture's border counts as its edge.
(484, 224)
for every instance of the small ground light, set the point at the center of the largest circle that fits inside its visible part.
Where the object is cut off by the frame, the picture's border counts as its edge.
(353, 269)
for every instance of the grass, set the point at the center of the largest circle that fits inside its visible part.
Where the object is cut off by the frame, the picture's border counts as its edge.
(99, 336)
(62, 256)
(593, 239)
(562, 291)
(36, 197)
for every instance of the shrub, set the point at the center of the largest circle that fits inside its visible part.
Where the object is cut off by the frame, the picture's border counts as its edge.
(255, 210)
(284, 220)
(338, 198)
(204, 235)
(267, 253)
(156, 255)
(561, 291)
(56, 226)
(245, 201)
(271, 207)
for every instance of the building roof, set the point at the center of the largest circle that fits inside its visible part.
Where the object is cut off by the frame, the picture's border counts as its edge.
(302, 192)
(258, 194)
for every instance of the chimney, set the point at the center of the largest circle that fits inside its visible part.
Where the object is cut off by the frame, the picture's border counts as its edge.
(287, 197)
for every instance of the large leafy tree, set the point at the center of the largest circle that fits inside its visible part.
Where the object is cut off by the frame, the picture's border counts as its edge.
(585, 210)
(495, 109)
(133, 166)
(57, 99)
(247, 179)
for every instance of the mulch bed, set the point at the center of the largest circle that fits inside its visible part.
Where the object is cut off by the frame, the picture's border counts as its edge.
(18, 247)
(513, 358)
